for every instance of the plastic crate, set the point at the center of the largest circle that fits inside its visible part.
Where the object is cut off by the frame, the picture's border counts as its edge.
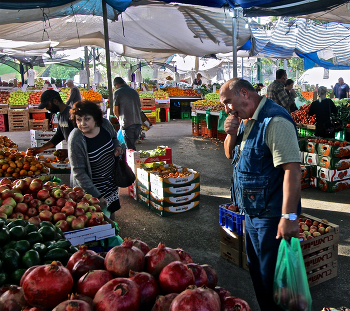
(39, 116)
(185, 115)
(221, 136)
(231, 220)
(196, 129)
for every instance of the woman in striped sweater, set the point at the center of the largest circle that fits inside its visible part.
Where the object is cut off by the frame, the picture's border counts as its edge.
(92, 148)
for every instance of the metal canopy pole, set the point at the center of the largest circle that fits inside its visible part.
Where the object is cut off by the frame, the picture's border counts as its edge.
(234, 43)
(87, 67)
(108, 59)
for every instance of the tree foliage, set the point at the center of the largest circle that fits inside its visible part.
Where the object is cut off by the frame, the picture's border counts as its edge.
(63, 72)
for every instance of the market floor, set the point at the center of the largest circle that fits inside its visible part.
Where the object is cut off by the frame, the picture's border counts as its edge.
(197, 232)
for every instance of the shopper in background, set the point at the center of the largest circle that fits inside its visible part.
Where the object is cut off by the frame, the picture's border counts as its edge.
(277, 93)
(341, 89)
(291, 93)
(322, 108)
(52, 101)
(74, 93)
(127, 107)
(198, 80)
(266, 177)
(92, 148)
(259, 87)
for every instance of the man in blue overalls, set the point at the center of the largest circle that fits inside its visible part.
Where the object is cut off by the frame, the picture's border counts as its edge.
(266, 178)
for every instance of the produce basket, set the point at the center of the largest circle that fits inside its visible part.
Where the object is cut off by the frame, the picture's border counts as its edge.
(230, 219)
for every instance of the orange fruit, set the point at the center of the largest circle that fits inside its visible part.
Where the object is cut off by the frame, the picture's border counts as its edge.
(16, 175)
(13, 164)
(26, 167)
(19, 164)
(17, 170)
(37, 172)
(33, 168)
(30, 173)
(39, 166)
(10, 170)
(23, 173)
(5, 167)
(7, 175)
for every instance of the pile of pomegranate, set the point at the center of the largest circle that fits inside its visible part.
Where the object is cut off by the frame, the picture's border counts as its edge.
(130, 277)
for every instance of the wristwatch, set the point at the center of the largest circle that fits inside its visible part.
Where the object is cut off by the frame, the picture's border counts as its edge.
(290, 216)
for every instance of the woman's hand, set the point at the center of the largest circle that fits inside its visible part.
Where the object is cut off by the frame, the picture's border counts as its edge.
(103, 202)
(118, 151)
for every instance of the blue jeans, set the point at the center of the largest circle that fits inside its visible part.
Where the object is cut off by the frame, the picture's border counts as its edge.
(131, 135)
(262, 250)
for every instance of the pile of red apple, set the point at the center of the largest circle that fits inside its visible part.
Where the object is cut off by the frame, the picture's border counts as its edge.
(68, 208)
(4, 97)
(309, 229)
(34, 98)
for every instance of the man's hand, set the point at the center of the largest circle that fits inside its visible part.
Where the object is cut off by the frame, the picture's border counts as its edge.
(232, 124)
(103, 202)
(34, 151)
(287, 229)
(118, 151)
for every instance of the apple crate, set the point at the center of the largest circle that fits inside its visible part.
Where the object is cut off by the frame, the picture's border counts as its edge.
(332, 175)
(147, 102)
(15, 126)
(174, 191)
(158, 181)
(323, 241)
(322, 274)
(18, 115)
(174, 200)
(38, 116)
(40, 134)
(36, 110)
(173, 210)
(230, 219)
(305, 171)
(305, 183)
(3, 110)
(320, 258)
(142, 198)
(334, 163)
(333, 186)
(310, 158)
(333, 151)
(231, 239)
(39, 124)
(231, 254)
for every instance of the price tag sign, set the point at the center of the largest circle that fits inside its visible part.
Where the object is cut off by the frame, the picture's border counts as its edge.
(214, 88)
(54, 87)
(24, 87)
(94, 88)
(303, 87)
(144, 88)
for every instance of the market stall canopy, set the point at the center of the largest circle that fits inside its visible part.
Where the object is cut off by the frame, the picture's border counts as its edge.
(146, 31)
(339, 14)
(302, 37)
(286, 7)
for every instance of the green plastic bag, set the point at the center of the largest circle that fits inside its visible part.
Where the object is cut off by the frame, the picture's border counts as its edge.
(290, 287)
(221, 121)
(208, 118)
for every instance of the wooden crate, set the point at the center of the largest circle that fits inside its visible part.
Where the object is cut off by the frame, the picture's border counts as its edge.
(147, 102)
(39, 125)
(153, 120)
(18, 106)
(36, 110)
(15, 126)
(3, 110)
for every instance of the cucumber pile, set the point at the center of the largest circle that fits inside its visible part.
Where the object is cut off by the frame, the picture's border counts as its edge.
(23, 245)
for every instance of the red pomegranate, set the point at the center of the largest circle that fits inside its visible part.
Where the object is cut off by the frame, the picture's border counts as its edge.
(123, 258)
(25, 274)
(184, 256)
(163, 302)
(234, 303)
(73, 305)
(47, 286)
(119, 294)
(31, 309)
(13, 299)
(200, 276)
(222, 292)
(76, 256)
(92, 281)
(81, 297)
(196, 299)
(157, 258)
(175, 277)
(282, 297)
(141, 245)
(212, 277)
(298, 303)
(86, 263)
(4, 288)
(148, 287)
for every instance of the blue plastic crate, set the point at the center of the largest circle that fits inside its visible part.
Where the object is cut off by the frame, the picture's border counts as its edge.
(231, 220)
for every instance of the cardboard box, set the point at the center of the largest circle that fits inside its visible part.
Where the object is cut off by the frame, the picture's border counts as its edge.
(333, 186)
(81, 236)
(143, 177)
(313, 182)
(332, 175)
(141, 188)
(172, 210)
(305, 183)
(62, 145)
(245, 261)
(175, 191)
(333, 151)
(311, 147)
(231, 239)
(302, 144)
(320, 242)
(305, 171)
(230, 254)
(38, 142)
(320, 258)
(39, 134)
(172, 201)
(310, 158)
(134, 160)
(143, 199)
(157, 180)
(328, 272)
(334, 163)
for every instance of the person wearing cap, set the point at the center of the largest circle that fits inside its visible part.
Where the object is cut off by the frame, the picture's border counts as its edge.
(74, 93)
(52, 101)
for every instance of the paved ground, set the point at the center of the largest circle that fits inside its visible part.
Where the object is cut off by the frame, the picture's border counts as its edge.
(198, 232)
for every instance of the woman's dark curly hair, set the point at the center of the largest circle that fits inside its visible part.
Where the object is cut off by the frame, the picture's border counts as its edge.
(86, 107)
